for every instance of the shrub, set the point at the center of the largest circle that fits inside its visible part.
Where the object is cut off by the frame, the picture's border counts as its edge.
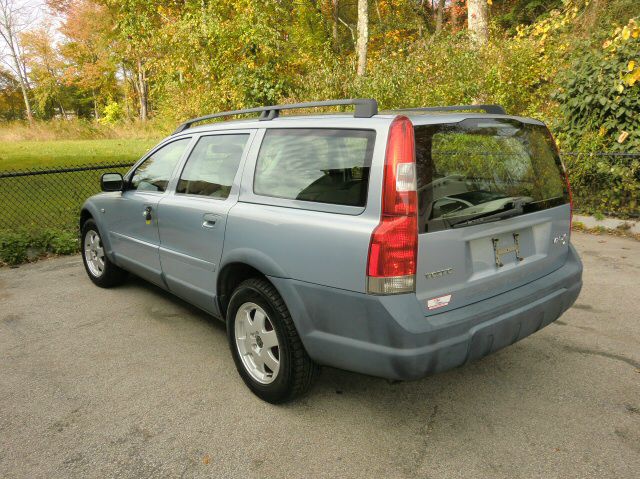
(111, 114)
(21, 246)
(600, 94)
(13, 247)
(605, 184)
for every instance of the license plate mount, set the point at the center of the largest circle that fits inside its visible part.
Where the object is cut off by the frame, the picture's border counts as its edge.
(499, 252)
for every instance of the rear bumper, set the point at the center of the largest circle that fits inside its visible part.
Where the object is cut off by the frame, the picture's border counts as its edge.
(389, 336)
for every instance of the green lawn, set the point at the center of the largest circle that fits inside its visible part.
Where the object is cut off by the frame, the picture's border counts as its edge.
(18, 155)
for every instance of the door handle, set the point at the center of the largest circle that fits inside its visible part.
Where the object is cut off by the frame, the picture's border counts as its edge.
(209, 220)
(147, 214)
(208, 223)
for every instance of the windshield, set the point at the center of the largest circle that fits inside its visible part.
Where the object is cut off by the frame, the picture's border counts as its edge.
(476, 170)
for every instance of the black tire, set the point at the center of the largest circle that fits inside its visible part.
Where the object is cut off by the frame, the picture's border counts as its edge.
(111, 274)
(297, 371)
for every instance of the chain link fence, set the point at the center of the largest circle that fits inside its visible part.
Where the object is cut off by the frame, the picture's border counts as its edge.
(38, 199)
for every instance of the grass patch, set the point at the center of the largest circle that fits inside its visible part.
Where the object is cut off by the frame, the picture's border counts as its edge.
(19, 155)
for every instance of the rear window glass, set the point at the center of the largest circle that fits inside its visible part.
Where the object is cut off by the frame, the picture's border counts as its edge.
(318, 165)
(482, 170)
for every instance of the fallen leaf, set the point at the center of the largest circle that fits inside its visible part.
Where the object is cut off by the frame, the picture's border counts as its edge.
(623, 136)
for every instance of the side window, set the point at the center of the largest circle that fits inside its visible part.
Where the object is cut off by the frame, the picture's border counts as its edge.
(212, 166)
(155, 172)
(318, 165)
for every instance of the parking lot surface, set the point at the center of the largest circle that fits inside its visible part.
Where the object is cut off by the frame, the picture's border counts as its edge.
(132, 382)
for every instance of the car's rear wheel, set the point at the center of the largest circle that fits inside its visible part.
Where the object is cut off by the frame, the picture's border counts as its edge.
(265, 345)
(98, 266)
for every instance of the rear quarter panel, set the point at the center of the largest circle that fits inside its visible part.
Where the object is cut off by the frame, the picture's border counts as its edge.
(313, 242)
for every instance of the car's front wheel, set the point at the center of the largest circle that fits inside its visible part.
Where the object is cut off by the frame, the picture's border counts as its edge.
(266, 348)
(98, 266)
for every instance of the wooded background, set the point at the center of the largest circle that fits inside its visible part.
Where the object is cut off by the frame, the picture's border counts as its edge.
(572, 63)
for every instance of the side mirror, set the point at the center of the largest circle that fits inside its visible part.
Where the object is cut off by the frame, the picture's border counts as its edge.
(111, 182)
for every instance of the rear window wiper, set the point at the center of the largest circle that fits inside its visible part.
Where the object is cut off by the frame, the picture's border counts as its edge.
(516, 210)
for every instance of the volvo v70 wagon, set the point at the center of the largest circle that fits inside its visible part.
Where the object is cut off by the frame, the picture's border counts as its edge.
(392, 244)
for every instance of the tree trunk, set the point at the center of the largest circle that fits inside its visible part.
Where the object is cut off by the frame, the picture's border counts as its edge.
(143, 91)
(96, 112)
(478, 20)
(363, 36)
(126, 85)
(439, 15)
(63, 112)
(334, 32)
(454, 15)
(27, 102)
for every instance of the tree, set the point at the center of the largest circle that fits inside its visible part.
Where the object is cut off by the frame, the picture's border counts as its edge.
(46, 69)
(88, 51)
(478, 21)
(363, 36)
(14, 17)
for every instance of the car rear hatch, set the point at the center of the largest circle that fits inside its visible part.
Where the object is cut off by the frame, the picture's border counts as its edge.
(493, 209)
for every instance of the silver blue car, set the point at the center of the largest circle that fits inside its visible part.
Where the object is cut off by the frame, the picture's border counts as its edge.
(394, 244)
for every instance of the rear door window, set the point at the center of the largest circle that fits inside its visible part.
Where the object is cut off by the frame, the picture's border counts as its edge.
(482, 170)
(212, 166)
(317, 165)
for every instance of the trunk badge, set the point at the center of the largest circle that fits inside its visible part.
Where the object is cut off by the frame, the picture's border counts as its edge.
(562, 239)
(438, 274)
(499, 252)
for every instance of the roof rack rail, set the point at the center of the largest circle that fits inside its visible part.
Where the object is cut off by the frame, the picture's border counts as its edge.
(491, 109)
(365, 108)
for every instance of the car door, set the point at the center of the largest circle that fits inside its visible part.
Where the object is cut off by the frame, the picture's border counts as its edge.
(132, 219)
(193, 219)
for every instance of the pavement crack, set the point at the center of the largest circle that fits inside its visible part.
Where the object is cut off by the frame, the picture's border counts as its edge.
(424, 432)
(604, 354)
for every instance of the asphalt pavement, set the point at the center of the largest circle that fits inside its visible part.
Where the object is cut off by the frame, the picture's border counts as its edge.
(132, 382)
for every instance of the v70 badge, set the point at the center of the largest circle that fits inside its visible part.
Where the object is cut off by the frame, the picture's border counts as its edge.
(499, 252)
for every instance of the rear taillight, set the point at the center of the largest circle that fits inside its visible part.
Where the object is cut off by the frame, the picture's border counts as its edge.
(393, 250)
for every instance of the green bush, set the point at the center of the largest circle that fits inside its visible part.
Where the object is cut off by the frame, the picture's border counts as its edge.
(111, 114)
(13, 247)
(21, 246)
(605, 184)
(600, 94)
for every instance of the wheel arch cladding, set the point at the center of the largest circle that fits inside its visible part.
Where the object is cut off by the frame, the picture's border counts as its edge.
(230, 277)
(85, 215)
(90, 211)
